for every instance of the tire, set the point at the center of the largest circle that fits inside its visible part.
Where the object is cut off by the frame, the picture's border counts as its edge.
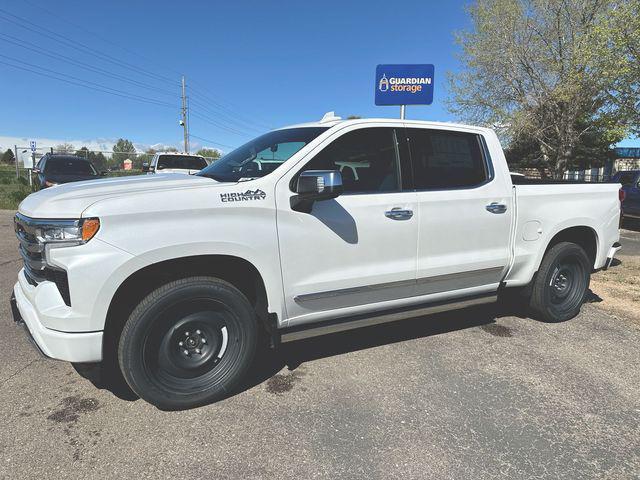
(188, 343)
(561, 284)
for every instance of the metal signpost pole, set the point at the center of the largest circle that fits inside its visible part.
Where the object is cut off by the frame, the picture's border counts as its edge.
(32, 144)
(15, 157)
(402, 111)
(33, 165)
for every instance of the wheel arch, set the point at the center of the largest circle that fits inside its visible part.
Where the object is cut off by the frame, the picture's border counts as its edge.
(582, 235)
(238, 271)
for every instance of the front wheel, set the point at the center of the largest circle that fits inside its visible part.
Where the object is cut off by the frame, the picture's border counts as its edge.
(561, 283)
(188, 343)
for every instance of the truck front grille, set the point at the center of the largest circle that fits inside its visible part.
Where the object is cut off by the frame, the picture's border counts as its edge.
(33, 252)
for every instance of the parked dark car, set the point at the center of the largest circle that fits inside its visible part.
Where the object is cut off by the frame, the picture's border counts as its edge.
(630, 181)
(53, 169)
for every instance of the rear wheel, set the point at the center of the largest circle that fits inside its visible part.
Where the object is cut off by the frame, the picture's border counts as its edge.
(561, 283)
(188, 343)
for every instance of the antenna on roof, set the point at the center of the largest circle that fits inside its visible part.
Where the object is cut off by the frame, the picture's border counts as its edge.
(329, 117)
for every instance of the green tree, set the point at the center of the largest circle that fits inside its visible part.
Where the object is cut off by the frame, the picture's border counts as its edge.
(63, 148)
(8, 157)
(210, 153)
(145, 157)
(99, 161)
(543, 78)
(122, 150)
(82, 152)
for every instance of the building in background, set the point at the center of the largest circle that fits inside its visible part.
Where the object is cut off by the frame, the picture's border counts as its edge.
(625, 158)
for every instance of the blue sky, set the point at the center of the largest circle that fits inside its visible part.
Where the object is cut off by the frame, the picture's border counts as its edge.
(264, 64)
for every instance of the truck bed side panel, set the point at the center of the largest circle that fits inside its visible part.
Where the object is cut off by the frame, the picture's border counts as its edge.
(546, 210)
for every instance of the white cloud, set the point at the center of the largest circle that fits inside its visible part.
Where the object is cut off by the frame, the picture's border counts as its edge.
(96, 144)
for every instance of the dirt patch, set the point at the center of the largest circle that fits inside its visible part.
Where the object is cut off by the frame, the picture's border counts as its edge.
(619, 288)
(72, 408)
(497, 330)
(283, 382)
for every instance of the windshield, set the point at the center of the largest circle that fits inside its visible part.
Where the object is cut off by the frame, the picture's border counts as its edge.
(186, 162)
(261, 155)
(69, 166)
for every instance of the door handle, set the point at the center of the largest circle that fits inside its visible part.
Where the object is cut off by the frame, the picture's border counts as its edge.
(495, 207)
(398, 213)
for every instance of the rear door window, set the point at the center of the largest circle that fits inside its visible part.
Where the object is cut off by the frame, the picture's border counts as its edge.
(443, 159)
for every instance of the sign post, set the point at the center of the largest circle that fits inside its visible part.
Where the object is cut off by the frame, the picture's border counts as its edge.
(404, 85)
(32, 144)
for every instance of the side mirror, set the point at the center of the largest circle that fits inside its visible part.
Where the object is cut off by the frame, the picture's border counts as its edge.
(315, 186)
(145, 167)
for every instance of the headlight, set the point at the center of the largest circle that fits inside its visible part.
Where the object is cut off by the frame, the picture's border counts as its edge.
(67, 232)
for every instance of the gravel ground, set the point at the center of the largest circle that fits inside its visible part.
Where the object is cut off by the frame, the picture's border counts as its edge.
(475, 394)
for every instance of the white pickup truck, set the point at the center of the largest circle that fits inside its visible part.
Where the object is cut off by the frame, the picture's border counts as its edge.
(306, 230)
(171, 162)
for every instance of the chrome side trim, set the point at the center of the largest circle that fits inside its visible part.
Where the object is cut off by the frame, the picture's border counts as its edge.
(382, 317)
(426, 285)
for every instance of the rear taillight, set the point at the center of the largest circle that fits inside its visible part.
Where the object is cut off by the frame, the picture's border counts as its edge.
(622, 195)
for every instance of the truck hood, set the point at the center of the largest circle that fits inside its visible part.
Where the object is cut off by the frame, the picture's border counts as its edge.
(71, 199)
(189, 171)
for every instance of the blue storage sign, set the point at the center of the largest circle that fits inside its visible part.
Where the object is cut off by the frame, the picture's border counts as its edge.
(404, 84)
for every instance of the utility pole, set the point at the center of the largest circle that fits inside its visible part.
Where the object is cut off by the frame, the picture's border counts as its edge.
(183, 122)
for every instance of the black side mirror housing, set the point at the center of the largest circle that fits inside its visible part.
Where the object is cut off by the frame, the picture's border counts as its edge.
(314, 186)
(145, 167)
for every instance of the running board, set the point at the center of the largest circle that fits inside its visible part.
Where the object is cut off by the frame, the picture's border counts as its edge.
(359, 321)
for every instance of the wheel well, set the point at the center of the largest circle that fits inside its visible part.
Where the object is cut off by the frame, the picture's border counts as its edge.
(584, 236)
(237, 271)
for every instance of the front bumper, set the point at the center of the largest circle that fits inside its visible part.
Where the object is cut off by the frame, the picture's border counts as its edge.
(70, 347)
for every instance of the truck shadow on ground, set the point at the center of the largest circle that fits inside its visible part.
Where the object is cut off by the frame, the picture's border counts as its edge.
(269, 362)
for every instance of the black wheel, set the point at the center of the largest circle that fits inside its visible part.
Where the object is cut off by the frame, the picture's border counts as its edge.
(561, 283)
(188, 343)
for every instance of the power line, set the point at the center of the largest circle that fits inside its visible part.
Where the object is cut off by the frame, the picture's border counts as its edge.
(42, 51)
(81, 47)
(216, 123)
(224, 116)
(83, 83)
(228, 109)
(211, 141)
(94, 34)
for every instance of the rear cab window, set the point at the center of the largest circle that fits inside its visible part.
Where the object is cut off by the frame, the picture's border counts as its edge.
(68, 166)
(443, 159)
(186, 162)
(627, 178)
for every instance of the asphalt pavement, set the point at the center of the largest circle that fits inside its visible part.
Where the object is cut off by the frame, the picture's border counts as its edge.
(475, 394)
